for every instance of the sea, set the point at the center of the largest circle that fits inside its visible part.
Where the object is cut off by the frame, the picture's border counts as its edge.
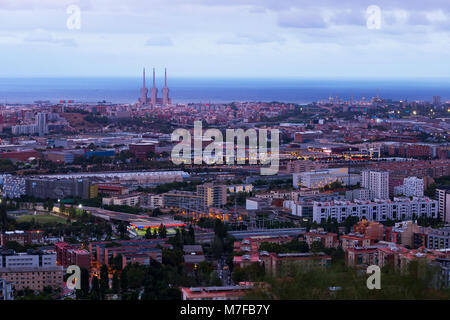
(221, 90)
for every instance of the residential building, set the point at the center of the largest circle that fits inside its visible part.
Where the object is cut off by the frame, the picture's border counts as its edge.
(358, 194)
(355, 240)
(6, 290)
(443, 198)
(411, 187)
(320, 178)
(371, 229)
(22, 237)
(140, 251)
(377, 182)
(131, 200)
(34, 270)
(54, 188)
(141, 150)
(361, 256)
(278, 264)
(68, 254)
(377, 210)
(328, 239)
(213, 195)
(182, 200)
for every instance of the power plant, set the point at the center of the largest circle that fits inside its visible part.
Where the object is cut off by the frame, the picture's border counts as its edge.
(154, 100)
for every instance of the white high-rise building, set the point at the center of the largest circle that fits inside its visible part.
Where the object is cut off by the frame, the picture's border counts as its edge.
(412, 187)
(443, 198)
(320, 178)
(378, 210)
(377, 182)
(41, 124)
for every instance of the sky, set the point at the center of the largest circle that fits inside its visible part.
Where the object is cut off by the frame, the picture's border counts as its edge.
(226, 38)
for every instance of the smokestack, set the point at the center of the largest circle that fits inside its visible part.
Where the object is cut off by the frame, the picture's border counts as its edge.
(144, 78)
(154, 85)
(165, 77)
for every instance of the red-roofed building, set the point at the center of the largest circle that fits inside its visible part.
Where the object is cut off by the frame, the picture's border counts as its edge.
(68, 254)
(22, 237)
(275, 263)
(19, 155)
(113, 190)
(328, 239)
(355, 240)
(361, 256)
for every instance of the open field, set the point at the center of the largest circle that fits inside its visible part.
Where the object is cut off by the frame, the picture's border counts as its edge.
(77, 121)
(43, 218)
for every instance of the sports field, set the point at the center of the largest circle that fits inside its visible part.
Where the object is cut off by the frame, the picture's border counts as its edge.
(41, 218)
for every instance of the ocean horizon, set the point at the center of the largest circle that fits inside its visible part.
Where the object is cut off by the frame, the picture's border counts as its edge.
(220, 90)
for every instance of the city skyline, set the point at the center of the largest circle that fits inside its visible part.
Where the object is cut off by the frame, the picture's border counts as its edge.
(224, 150)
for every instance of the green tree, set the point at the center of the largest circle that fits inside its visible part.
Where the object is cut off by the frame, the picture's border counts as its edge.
(83, 292)
(148, 233)
(217, 247)
(115, 283)
(95, 290)
(122, 229)
(317, 246)
(14, 245)
(191, 235)
(123, 281)
(104, 280)
(162, 231)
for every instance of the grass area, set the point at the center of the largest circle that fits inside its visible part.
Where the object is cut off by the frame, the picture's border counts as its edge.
(41, 218)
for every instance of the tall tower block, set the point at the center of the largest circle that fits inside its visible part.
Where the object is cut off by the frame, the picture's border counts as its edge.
(144, 91)
(153, 91)
(165, 90)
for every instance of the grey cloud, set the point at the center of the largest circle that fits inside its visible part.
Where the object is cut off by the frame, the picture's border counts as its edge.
(301, 19)
(418, 18)
(42, 4)
(42, 36)
(250, 39)
(349, 17)
(159, 42)
(138, 5)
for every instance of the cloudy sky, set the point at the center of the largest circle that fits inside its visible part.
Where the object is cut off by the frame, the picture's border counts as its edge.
(226, 38)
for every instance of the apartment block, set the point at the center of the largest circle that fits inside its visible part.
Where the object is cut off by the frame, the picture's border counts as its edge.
(378, 210)
(443, 198)
(377, 182)
(213, 195)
